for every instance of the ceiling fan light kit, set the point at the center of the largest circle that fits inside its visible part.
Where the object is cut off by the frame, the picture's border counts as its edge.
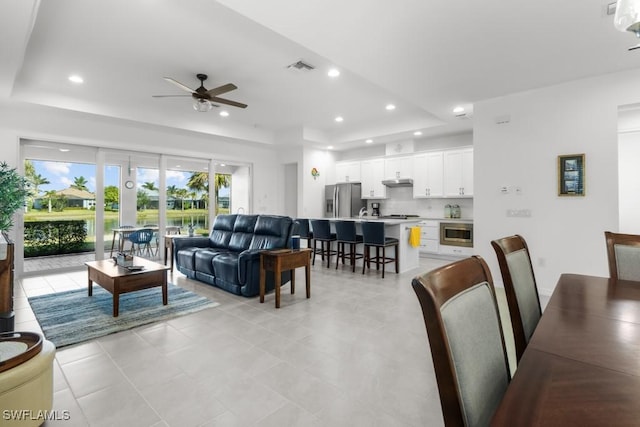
(205, 100)
(627, 17)
(202, 105)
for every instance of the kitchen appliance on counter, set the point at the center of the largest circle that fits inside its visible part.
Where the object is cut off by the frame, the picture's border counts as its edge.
(456, 234)
(375, 209)
(343, 200)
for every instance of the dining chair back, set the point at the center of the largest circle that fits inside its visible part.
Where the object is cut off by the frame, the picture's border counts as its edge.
(461, 316)
(520, 288)
(623, 253)
(141, 241)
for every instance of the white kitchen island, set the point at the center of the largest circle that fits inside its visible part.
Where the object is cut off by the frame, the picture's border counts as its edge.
(409, 257)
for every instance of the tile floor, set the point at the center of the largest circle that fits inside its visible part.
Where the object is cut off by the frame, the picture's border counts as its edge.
(355, 354)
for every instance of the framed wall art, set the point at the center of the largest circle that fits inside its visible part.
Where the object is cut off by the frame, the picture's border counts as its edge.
(571, 175)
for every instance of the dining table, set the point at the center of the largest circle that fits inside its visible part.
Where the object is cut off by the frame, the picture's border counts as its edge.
(582, 364)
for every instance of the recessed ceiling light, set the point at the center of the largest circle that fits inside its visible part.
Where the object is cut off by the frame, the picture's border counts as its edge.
(333, 72)
(222, 164)
(330, 147)
(64, 150)
(76, 79)
(178, 166)
(390, 107)
(224, 113)
(339, 119)
(417, 133)
(369, 141)
(458, 110)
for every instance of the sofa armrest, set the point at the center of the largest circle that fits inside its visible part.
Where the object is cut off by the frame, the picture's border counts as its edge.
(190, 242)
(248, 259)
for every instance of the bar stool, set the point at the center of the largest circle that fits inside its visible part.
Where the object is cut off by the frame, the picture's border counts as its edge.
(346, 234)
(373, 236)
(304, 230)
(322, 233)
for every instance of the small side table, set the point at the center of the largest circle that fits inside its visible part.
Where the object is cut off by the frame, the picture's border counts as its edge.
(280, 260)
(168, 245)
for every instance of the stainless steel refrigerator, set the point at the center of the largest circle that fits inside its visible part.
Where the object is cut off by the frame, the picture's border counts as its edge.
(343, 200)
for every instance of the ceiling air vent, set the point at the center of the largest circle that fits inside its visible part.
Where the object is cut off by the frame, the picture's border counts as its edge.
(300, 66)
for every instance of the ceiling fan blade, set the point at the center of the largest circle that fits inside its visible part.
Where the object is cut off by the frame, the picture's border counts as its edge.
(221, 89)
(228, 102)
(180, 85)
(170, 96)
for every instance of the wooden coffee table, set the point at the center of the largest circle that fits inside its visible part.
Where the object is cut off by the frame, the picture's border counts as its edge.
(119, 280)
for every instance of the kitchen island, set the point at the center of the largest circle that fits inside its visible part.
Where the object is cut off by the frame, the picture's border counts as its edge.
(409, 257)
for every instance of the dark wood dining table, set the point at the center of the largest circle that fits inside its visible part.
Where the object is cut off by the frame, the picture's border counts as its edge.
(582, 364)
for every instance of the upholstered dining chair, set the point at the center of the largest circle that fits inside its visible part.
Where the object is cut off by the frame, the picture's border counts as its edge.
(623, 252)
(304, 230)
(520, 288)
(461, 316)
(373, 236)
(322, 233)
(346, 236)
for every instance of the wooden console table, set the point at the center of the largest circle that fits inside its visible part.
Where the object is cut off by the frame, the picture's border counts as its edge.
(281, 260)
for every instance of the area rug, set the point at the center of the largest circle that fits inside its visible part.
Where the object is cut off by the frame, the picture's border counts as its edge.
(72, 317)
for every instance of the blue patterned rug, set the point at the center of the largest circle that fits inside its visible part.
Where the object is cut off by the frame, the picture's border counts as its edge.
(71, 317)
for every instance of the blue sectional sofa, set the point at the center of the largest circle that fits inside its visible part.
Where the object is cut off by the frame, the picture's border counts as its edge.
(230, 257)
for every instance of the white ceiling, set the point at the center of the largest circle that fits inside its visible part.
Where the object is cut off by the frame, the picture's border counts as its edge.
(426, 57)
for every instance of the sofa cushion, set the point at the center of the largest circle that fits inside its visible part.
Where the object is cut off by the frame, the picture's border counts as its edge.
(271, 232)
(242, 232)
(222, 231)
(225, 267)
(186, 257)
(203, 259)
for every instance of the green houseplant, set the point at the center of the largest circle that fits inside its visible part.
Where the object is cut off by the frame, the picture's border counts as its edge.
(13, 192)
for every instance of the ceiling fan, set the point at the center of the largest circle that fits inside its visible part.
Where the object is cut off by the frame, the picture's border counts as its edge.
(205, 99)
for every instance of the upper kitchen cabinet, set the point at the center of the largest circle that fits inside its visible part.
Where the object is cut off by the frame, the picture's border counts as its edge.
(428, 175)
(372, 176)
(458, 173)
(348, 171)
(398, 167)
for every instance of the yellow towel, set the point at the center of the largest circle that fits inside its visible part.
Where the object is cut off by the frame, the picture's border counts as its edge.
(414, 237)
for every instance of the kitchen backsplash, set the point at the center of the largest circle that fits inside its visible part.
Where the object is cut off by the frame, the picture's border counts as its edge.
(400, 201)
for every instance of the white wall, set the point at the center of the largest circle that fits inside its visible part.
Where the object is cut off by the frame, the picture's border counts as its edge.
(565, 234)
(629, 182)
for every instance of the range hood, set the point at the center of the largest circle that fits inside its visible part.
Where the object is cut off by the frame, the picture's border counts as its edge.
(400, 182)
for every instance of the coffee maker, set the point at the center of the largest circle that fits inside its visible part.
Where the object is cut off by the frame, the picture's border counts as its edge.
(375, 209)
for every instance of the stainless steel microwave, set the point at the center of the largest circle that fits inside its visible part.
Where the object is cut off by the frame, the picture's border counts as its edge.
(456, 234)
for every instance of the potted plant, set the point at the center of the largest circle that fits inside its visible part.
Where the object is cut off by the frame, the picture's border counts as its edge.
(13, 192)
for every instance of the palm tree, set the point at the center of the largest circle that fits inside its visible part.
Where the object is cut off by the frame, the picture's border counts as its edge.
(182, 193)
(199, 181)
(151, 186)
(50, 196)
(80, 183)
(172, 190)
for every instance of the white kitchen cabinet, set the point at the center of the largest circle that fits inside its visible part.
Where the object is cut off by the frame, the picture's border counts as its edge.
(455, 250)
(429, 236)
(428, 175)
(348, 171)
(372, 174)
(458, 173)
(398, 167)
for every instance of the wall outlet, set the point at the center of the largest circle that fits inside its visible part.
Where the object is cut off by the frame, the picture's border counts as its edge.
(504, 190)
